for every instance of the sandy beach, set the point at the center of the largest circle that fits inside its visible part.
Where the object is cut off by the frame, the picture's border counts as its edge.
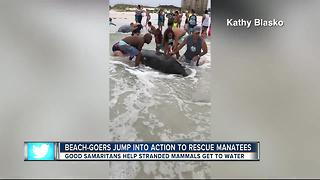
(125, 18)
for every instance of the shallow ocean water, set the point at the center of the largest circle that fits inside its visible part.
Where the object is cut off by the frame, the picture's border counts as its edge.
(148, 105)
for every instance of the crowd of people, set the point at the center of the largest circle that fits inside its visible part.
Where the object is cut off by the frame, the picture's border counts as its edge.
(172, 40)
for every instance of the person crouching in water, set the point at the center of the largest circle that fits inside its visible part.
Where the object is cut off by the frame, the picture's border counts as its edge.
(171, 39)
(195, 43)
(157, 36)
(132, 46)
(135, 29)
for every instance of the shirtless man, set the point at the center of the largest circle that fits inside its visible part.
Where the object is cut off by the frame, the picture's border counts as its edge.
(135, 29)
(132, 46)
(171, 39)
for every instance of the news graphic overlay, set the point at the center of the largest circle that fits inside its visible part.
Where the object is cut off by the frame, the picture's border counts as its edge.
(153, 151)
(40, 151)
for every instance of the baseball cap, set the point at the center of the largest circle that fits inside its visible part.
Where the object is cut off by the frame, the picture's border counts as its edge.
(197, 29)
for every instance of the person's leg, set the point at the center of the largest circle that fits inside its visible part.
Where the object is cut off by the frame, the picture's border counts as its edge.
(140, 19)
(204, 30)
(136, 18)
(132, 51)
(125, 49)
(203, 34)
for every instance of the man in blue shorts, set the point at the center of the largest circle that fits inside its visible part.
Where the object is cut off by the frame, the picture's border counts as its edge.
(132, 46)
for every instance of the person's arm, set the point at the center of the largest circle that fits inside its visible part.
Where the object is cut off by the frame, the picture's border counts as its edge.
(141, 43)
(165, 47)
(139, 55)
(204, 48)
(175, 42)
(202, 19)
(152, 31)
(138, 59)
(133, 27)
(204, 51)
(180, 46)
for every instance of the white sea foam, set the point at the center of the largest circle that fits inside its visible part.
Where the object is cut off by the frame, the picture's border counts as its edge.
(146, 104)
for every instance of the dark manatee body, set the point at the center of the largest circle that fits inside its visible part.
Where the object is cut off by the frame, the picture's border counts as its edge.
(124, 29)
(163, 63)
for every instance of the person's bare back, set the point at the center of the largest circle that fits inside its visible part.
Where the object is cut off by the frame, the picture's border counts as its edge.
(178, 32)
(135, 41)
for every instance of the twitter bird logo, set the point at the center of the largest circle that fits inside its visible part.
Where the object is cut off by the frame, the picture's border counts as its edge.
(40, 151)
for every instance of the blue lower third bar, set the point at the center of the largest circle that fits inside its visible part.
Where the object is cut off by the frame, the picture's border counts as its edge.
(142, 151)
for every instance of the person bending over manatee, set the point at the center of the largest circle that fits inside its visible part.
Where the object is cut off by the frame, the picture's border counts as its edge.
(157, 35)
(132, 46)
(135, 29)
(195, 43)
(171, 39)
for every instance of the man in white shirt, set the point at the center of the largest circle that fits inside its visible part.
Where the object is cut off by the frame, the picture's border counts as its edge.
(205, 23)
